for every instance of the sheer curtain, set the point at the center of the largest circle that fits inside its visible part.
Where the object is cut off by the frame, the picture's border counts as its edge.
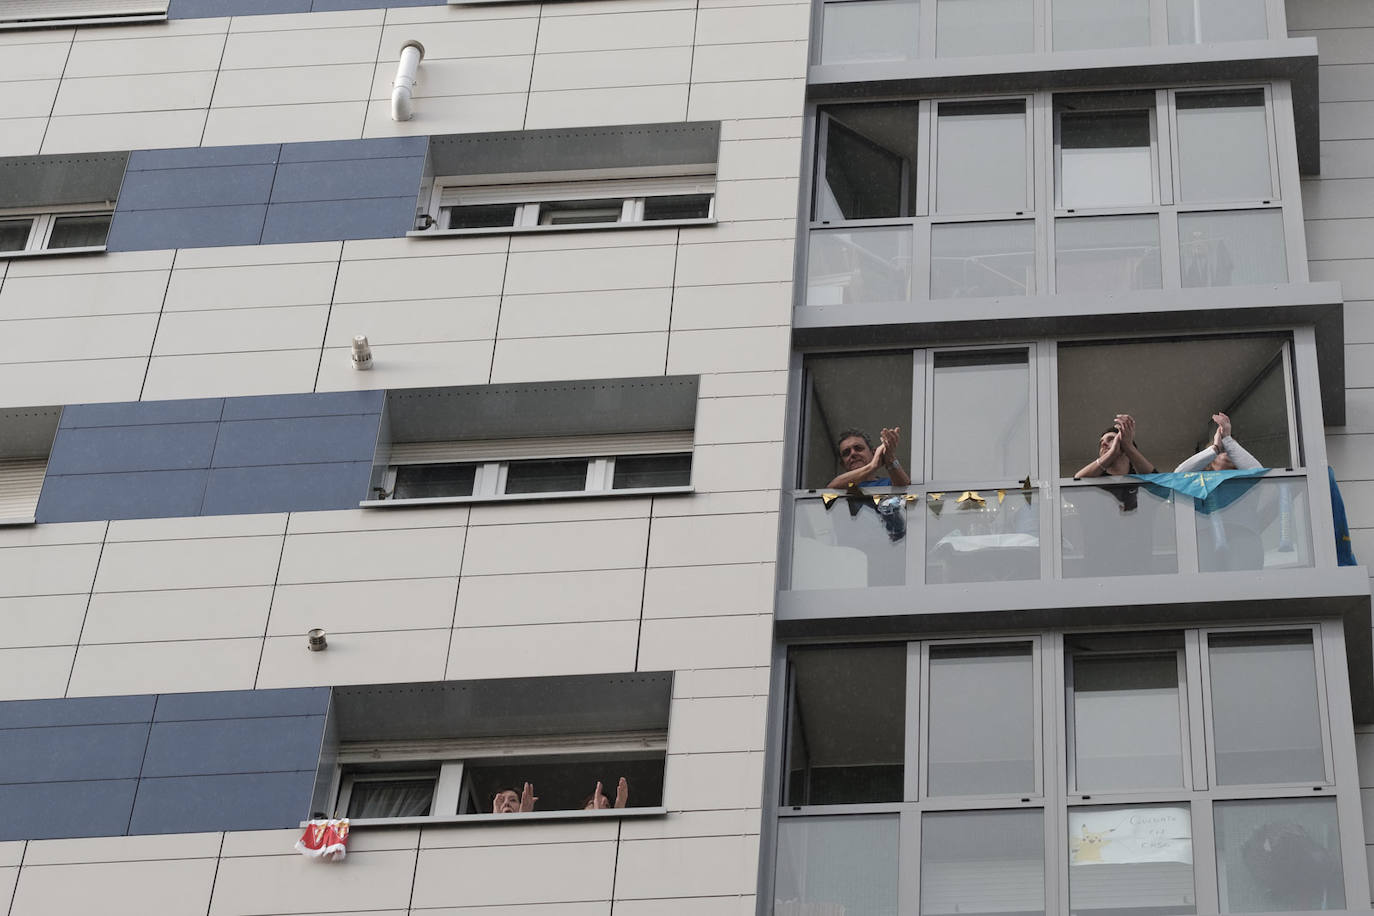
(391, 798)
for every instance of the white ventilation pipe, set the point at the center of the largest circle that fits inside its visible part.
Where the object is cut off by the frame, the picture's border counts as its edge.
(402, 103)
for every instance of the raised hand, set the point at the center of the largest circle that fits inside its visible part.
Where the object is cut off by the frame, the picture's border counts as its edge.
(1126, 423)
(528, 798)
(891, 439)
(599, 799)
(1223, 423)
(622, 792)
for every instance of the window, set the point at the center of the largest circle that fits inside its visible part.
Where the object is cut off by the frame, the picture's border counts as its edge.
(1080, 24)
(977, 27)
(535, 476)
(65, 230)
(21, 14)
(689, 199)
(860, 31)
(1198, 21)
(26, 438)
(982, 152)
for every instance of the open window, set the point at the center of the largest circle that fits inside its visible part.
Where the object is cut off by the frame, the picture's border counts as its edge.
(26, 437)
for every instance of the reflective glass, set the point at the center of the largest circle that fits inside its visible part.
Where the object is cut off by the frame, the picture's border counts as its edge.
(1082, 24)
(1265, 714)
(638, 471)
(976, 863)
(980, 164)
(425, 481)
(14, 234)
(1105, 159)
(981, 733)
(837, 865)
(867, 392)
(1107, 254)
(851, 543)
(1118, 529)
(862, 31)
(848, 266)
(1126, 724)
(1279, 855)
(560, 475)
(1223, 146)
(965, 28)
(981, 416)
(997, 539)
(982, 259)
(482, 216)
(1232, 248)
(677, 206)
(1193, 21)
(864, 166)
(1254, 524)
(79, 231)
(1135, 860)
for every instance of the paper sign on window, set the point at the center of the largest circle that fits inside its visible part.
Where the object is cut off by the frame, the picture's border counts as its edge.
(1130, 835)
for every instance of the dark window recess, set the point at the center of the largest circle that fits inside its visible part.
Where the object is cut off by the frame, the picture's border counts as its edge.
(390, 797)
(565, 784)
(561, 475)
(640, 471)
(14, 234)
(678, 206)
(491, 216)
(79, 231)
(422, 481)
(574, 212)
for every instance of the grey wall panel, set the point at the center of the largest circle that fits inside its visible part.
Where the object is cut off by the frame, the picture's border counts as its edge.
(199, 157)
(300, 440)
(70, 752)
(70, 178)
(112, 449)
(53, 810)
(216, 746)
(324, 221)
(76, 711)
(672, 144)
(333, 150)
(206, 9)
(332, 403)
(167, 189)
(196, 804)
(135, 413)
(240, 704)
(287, 488)
(150, 494)
(196, 227)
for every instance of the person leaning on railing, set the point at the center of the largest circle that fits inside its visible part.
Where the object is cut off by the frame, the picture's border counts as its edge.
(861, 461)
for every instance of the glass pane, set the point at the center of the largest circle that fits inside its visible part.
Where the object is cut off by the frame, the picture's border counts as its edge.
(1107, 254)
(425, 481)
(851, 543)
(848, 266)
(966, 28)
(1104, 159)
(79, 231)
(1134, 860)
(1279, 855)
(982, 259)
(981, 422)
(678, 206)
(1232, 248)
(482, 217)
(1080, 24)
(980, 164)
(982, 720)
(1216, 20)
(983, 862)
(837, 865)
(862, 31)
(1126, 728)
(1223, 146)
(846, 725)
(994, 540)
(1254, 524)
(390, 798)
(1265, 715)
(869, 153)
(576, 212)
(633, 471)
(561, 475)
(868, 392)
(14, 234)
(1118, 529)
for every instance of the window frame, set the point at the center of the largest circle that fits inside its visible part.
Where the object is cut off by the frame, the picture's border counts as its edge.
(41, 225)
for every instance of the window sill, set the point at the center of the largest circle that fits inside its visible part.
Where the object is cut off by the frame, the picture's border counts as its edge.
(17, 520)
(574, 227)
(488, 819)
(522, 497)
(52, 252)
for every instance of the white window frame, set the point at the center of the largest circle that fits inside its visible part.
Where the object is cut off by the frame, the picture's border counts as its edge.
(42, 14)
(41, 227)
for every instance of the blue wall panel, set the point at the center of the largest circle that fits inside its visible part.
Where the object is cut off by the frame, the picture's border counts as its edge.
(111, 449)
(76, 711)
(323, 221)
(199, 157)
(199, 804)
(211, 746)
(329, 403)
(218, 186)
(300, 440)
(198, 227)
(147, 494)
(287, 488)
(54, 810)
(241, 704)
(346, 179)
(69, 752)
(138, 413)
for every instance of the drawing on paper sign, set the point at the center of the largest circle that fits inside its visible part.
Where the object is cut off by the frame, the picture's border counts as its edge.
(1131, 835)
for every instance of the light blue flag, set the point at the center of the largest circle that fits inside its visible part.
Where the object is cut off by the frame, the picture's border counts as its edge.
(1207, 487)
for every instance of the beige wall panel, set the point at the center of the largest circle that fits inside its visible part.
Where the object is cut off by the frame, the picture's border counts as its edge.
(1359, 365)
(723, 682)
(1355, 276)
(1347, 120)
(542, 650)
(568, 546)
(705, 866)
(1364, 755)
(1345, 82)
(598, 7)
(326, 46)
(133, 130)
(699, 591)
(293, 883)
(758, 99)
(292, 22)
(435, 277)
(590, 908)
(165, 667)
(708, 782)
(718, 503)
(643, 267)
(458, 76)
(348, 556)
(241, 330)
(116, 889)
(717, 725)
(241, 843)
(122, 849)
(413, 321)
(770, 128)
(627, 105)
(212, 613)
(30, 674)
(8, 877)
(98, 337)
(568, 873)
(293, 85)
(767, 60)
(746, 466)
(772, 159)
(354, 607)
(755, 198)
(569, 597)
(746, 419)
(1347, 159)
(284, 123)
(262, 255)
(52, 533)
(155, 29)
(510, 32)
(1323, 14)
(145, 92)
(607, 312)
(83, 294)
(41, 620)
(621, 238)
(1353, 456)
(705, 642)
(11, 852)
(744, 24)
(199, 526)
(742, 905)
(355, 658)
(741, 350)
(388, 519)
(616, 31)
(23, 136)
(413, 249)
(231, 374)
(249, 287)
(685, 824)
(1340, 46)
(26, 99)
(1337, 198)
(1335, 239)
(547, 511)
(112, 262)
(710, 264)
(1358, 496)
(55, 570)
(45, 60)
(449, 114)
(743, 384)
(202, 563)
(535, 833)
(535, 359)
(129, 56)
(409, 366)
(1359, 411)
(77, 382)
(605, 69)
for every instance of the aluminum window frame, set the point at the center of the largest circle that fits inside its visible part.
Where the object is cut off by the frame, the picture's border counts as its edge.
(489, 482)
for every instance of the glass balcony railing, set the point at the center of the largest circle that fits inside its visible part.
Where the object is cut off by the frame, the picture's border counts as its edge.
(1260, 523)
(1117, 529)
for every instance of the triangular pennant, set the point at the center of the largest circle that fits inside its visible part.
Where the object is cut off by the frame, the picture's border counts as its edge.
(829, 498)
